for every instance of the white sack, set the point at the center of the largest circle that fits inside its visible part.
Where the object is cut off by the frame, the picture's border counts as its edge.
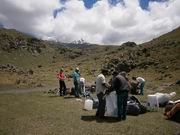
(111, 105)
(164, 97)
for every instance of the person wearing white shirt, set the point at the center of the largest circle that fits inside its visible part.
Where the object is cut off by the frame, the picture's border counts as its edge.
(141, 83)
(101, 87)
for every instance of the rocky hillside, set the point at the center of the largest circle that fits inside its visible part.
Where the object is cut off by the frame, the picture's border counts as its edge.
(13, 40)
(160, 54)
(26, 60)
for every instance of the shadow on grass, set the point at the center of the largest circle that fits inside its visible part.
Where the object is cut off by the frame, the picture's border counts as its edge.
(65, 97)
(53, 96)
(98, 120)
(176, 121)
(69, 97)
(88, 118)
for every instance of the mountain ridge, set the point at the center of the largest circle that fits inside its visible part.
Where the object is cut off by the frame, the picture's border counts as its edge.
(159, 57)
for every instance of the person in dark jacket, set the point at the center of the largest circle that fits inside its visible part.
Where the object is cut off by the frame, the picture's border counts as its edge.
(121, 86)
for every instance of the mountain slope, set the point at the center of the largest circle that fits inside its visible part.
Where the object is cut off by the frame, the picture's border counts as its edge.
(157, 60)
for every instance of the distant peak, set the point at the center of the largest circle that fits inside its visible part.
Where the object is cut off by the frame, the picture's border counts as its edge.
(81, 41)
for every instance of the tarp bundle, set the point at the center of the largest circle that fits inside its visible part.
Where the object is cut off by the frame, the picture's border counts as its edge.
(134, 107)
(111, 105)
(163, 98)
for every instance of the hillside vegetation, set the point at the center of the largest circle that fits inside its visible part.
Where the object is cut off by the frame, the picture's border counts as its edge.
(28, 61)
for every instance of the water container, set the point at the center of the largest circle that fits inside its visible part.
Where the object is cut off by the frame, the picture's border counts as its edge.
(88, 105)
(152, 103)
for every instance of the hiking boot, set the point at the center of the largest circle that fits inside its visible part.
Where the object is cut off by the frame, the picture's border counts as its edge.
(119, 119)
(123, 118)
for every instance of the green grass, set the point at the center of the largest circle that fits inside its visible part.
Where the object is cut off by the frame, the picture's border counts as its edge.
(47, 114)
(41, 114)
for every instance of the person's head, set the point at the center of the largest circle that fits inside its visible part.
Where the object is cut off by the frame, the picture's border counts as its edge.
(134, 78)
(77, 69)
(104, 71)
(61, 70)
(123, 73)
(115, 73)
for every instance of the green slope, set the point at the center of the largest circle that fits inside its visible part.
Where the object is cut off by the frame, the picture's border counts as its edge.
(157, 59)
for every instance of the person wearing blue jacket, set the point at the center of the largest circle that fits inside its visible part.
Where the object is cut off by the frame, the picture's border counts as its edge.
(76, 77)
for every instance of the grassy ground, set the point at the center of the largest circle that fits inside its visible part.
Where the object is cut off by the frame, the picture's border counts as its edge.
(47, 114)
(35, 112)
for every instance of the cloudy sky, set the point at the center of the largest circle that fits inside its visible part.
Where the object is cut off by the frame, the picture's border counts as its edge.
(95, 21)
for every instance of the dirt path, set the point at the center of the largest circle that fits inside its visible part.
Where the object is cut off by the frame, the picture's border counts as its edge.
(46, 88)
(26, 90)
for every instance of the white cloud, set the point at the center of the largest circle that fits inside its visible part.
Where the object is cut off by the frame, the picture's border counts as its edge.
(30, 16)
(102, 24)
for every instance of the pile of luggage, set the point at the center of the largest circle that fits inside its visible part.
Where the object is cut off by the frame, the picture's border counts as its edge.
(134, 107)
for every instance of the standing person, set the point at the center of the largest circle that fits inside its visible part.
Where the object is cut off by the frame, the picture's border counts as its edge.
(101, 87)
(121, 85)
(114, 74)
(141, 83)
(62, 86)
(76, 76)
(82, 85)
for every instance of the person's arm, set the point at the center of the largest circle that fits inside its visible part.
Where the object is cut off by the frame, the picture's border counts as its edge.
(104, 82)
(106, 85)
(139, 84)
(129, 84)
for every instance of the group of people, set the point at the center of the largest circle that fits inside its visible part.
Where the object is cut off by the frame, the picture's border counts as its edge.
(121, 85)
(79, 83)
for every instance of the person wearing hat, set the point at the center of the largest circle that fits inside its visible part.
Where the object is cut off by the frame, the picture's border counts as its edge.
(62, 86)
(121, 86)
(76, 77)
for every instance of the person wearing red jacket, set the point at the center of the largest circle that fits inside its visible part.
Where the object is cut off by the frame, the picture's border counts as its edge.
(62, 86)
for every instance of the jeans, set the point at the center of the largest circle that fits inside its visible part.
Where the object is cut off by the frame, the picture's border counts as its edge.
(76, 89)
(142, 88)
(62, 88)
(122, 104)
(101, 107)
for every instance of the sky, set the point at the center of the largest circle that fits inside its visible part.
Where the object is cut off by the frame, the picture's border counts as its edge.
(105, 22)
